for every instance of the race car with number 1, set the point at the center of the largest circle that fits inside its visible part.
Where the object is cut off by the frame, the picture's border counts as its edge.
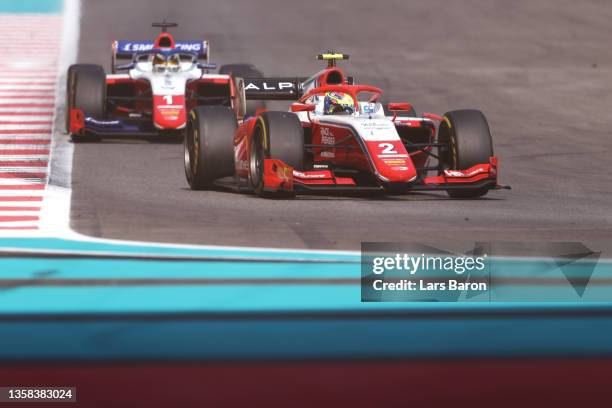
(151, 94)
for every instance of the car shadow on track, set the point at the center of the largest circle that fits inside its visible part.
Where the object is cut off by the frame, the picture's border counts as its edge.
(394, 198)
(169, 140)
(366, 196)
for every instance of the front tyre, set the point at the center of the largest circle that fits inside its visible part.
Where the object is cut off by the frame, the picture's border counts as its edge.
(467, 142)
(209, 146)
(277, 135)
(85, 90)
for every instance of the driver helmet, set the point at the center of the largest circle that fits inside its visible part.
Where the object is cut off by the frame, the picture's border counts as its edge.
(162, 63)
(159, 62)
(173, 62)
(338, 102)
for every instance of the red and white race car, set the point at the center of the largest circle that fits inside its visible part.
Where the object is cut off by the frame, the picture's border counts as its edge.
(338, 138)
(152, 93)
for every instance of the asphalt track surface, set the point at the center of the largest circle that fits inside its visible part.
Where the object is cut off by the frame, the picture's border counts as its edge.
(541, 71)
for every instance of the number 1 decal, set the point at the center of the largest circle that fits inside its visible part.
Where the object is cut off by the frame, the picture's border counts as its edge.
(168, 99)
(388, 148)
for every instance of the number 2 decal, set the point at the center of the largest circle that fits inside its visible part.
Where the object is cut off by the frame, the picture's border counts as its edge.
(168, 99)
(388, 148)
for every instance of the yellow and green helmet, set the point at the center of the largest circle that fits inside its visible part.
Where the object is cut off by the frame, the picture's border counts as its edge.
(338, 102)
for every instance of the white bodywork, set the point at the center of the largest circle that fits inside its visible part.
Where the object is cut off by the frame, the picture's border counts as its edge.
(166, 82)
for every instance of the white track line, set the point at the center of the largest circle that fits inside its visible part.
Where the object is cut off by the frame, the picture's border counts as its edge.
(9, 194)
(23, 169)
(26, 99)
(28, 117)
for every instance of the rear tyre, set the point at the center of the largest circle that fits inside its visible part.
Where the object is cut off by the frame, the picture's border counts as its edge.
(245, 71)
(85, 90)
(209, 146)
(468, 142)
(277, 135)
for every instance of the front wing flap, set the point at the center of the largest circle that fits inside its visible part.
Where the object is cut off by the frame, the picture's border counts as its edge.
(279, 176)
(80, 124)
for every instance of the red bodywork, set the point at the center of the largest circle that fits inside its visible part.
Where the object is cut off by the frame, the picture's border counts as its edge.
(168, 114)
(392, 163)
(133, 102)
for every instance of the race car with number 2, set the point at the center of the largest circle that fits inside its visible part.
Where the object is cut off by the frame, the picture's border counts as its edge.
(336, 138)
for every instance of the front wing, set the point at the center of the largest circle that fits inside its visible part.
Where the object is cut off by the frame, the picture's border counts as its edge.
(81, 125)
(280, 177)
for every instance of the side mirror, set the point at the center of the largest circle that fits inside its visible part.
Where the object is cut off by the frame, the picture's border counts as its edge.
(207, 65)
(303, 107)
(404, 106)
(125, 66)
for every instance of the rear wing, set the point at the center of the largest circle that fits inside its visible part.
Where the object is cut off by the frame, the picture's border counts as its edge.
(276, 88)
(125, 50)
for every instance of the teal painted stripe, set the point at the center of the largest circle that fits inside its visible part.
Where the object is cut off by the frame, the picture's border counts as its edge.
(225, 298)
(84, 268)
(36, 268)
(341, 293)
(186, 298)
(424, 330)
(31, 6)
(59, 244)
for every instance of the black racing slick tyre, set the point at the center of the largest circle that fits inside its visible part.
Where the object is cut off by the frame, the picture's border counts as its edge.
(467, 142)
(209, 145)
(85, 90)
(276, 135)
(245, 71)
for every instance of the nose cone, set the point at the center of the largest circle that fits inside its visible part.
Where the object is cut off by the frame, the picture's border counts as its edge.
(169, 111)
(392, 161)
